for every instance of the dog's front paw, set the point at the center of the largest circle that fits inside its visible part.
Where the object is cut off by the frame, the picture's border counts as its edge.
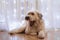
(11, 32)
(41, 35)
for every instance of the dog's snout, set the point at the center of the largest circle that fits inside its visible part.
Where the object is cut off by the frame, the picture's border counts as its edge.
(27, 17)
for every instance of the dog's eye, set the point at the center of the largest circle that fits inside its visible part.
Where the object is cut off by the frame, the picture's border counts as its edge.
(32, 13)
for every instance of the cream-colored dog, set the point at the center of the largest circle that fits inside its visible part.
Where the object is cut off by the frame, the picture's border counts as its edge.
(34, 25)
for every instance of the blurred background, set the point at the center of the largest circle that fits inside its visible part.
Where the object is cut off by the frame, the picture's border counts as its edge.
(12, 13)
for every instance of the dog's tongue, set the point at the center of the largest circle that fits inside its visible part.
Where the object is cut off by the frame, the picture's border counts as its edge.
(32, 23)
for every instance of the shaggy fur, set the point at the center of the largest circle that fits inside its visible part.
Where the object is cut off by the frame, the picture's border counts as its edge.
(34, 25)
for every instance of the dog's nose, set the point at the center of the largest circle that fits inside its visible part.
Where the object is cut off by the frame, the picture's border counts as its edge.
(27, 18)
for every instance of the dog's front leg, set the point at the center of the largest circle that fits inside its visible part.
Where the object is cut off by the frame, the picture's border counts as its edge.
(18, 30)
(27, 30)
(41, 34)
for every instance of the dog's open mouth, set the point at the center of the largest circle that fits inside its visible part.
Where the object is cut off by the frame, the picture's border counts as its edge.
(32, 23)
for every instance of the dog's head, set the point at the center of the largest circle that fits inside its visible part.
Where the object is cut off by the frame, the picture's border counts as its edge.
(33, 16)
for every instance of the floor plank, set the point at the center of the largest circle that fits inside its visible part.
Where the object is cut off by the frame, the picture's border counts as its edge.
(51, 35)
(6, 36)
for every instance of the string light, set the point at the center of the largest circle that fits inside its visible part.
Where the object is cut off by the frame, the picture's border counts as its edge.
(41, 0)
(14, 1)
(47, 8)
(14, 10)
(58, 16)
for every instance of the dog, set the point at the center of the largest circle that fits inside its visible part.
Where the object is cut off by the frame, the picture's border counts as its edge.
(34, 25)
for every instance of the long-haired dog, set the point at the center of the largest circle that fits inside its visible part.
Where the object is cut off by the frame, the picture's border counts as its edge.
(34, 25)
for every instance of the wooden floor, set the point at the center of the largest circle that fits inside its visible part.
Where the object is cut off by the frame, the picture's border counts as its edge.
(52, 35)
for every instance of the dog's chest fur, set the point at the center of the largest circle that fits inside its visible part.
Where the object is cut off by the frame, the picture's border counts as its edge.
(34, 28)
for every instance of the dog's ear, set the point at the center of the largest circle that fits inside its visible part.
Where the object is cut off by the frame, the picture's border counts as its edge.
(40, 15)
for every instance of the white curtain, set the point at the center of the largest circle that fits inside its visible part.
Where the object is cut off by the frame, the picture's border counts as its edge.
(12, 12)
(51, 12)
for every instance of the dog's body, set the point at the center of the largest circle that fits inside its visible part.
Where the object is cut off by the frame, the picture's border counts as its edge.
(34, 25)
